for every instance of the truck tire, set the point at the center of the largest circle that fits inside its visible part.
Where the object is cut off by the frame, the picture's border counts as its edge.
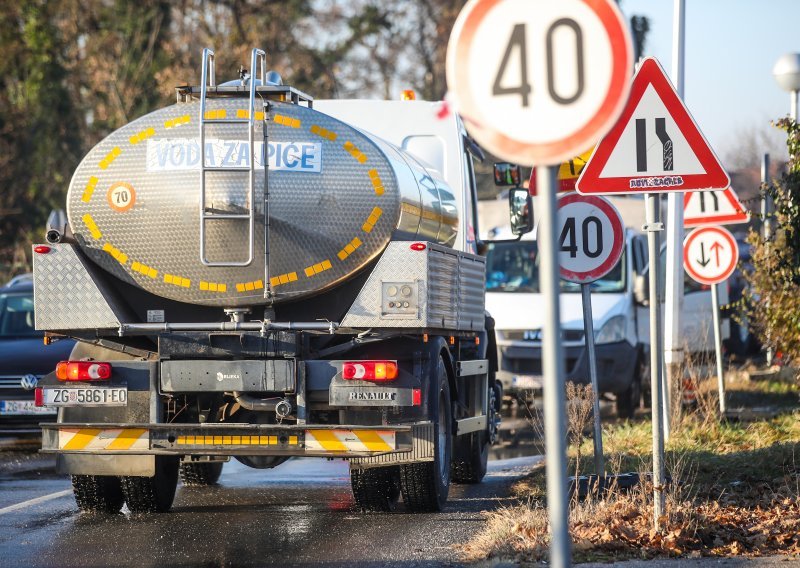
(471, 452)
(376, 489)
(200, 474)
(425, 485)
(153, 494)
(98, 493)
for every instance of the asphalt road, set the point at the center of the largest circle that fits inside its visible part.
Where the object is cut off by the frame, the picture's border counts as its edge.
(300, 513)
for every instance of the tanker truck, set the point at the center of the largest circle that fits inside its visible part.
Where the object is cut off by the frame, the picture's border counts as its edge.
(253, 274)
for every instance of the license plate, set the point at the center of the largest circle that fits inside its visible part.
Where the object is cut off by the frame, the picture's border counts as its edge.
(527, 381)
(113, 396)
(23, 408)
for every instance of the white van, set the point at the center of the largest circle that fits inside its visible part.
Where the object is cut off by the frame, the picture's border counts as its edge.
(619, 309)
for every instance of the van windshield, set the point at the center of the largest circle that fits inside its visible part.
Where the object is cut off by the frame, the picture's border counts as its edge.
(514, 267)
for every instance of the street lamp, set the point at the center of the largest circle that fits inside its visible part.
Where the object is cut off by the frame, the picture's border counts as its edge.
(787, 74)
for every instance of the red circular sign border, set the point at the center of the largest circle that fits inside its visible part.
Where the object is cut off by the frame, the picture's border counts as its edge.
(727, 235)
(617, 227)
(555, 152)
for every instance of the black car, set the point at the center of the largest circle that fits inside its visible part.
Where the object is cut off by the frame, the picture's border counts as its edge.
(24, 359)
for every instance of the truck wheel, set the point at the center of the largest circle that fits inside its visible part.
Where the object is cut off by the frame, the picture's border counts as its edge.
(474, 451)
(471, 452)
(98, 493)
(425, 485)
(153, 494)
(376, 489)
(203, 473)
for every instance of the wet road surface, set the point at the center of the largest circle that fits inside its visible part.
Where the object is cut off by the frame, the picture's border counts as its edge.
(300, 513)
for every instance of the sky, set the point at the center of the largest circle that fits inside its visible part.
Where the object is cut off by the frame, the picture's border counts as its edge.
(730, 49)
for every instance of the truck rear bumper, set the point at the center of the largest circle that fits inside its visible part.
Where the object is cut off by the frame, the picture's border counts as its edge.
(405, 443)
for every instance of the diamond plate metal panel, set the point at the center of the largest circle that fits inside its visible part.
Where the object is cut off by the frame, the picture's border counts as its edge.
(65, 295)
(450, 284)
(133, 204)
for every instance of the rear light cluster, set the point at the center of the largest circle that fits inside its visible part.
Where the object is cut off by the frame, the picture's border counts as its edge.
(370, 370)
(83, 371)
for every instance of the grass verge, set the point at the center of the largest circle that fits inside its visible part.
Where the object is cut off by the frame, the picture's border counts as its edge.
(735, 489)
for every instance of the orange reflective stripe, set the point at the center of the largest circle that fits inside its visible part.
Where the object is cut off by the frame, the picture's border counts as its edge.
(81, 439)
(372, 441)
(328, 440)
(126, 439)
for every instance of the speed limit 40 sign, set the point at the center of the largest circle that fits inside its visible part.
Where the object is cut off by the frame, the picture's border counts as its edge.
(536, 81)
(591, 238)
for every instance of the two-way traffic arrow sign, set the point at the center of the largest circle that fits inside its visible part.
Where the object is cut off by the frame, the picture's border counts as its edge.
(710, 254)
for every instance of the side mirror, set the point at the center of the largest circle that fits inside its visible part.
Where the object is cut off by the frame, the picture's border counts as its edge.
(507, 175)
(641, 290)
(520, 207)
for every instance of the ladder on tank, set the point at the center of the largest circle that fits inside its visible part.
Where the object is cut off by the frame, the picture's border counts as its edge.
(208, 80)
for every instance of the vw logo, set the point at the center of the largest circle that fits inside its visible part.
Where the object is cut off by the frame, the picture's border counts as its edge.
(29, 382)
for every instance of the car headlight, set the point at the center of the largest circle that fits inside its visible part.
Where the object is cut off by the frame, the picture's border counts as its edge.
(612, 331)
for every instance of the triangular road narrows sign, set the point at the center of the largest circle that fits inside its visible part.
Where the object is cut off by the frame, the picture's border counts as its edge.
(713, 207)
(655, 146)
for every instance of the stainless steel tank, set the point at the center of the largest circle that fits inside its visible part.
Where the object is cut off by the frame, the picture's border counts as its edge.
(337, 196)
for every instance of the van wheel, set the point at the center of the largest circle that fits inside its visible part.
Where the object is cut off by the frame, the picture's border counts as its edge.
(628, 401)
(199, 474)
(376, 489)
(425, 485)
(98, 493)
(153, 494)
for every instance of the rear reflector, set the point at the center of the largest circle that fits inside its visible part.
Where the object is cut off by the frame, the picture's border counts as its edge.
(38, 396)
(83, 371)
(418, 246)
(41, 249)
(370, 370)
(416, 397)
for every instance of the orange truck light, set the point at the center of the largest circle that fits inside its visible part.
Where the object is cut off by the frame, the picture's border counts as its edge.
(83, 371)
(370, 370)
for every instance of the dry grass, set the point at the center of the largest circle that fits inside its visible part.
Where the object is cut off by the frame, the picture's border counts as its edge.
(735, 489)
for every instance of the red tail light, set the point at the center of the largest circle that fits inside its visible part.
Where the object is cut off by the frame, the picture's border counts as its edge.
(83, 371)
(38, 396)
(370, 370)
(41, 249)
(418, 246)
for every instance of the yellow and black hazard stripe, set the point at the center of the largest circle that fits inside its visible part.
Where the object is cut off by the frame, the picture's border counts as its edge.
(341, 441)
(108, 439)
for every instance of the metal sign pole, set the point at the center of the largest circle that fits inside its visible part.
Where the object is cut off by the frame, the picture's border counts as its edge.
(766, 220)
(673, 342)
(555, 424)
(718, 347)
(653, 228)
(588, 328)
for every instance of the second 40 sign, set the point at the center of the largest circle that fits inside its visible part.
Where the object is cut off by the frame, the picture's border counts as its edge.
(590, 238)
